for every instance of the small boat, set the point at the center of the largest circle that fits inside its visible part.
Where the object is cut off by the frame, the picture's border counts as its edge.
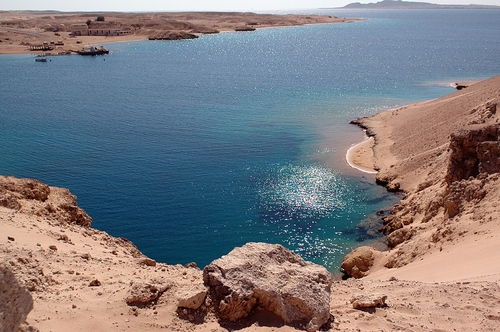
(41, 59)
(93, 50)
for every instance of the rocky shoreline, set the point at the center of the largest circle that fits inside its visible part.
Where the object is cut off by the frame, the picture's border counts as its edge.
(449, 175)
(58, 273)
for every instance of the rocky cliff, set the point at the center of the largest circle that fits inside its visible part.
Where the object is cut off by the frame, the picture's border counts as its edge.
(445, 156)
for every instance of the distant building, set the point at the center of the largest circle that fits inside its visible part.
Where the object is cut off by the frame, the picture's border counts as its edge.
(84, 30)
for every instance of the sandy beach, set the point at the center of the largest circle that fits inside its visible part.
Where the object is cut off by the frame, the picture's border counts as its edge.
(21, 29)
(360, 156)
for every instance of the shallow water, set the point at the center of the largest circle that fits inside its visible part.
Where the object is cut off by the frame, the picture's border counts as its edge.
(190, 148)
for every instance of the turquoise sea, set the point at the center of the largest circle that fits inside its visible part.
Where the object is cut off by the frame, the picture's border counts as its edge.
(190, 148)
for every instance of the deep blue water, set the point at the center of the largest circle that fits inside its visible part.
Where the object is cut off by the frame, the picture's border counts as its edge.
(190, 148)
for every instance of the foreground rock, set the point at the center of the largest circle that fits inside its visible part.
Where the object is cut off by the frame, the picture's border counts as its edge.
(260, 276)
(15, 301)
(373, 300)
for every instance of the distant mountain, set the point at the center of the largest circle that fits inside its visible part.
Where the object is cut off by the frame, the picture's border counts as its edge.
(399, 4)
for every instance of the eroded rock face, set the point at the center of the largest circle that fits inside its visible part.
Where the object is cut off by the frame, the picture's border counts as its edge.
(15, 301)
(28, 195)
(357, 263)
(470, 153)
(488, 154)
(272, 278)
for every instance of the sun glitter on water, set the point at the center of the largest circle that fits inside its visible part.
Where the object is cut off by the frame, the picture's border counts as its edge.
(297, 192)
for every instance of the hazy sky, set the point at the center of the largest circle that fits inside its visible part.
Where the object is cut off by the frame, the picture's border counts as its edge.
(193, 5)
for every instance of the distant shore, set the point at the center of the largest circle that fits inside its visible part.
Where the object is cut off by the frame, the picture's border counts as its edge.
(65, 32)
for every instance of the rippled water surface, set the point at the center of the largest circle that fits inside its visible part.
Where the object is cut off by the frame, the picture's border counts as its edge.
(190, 148)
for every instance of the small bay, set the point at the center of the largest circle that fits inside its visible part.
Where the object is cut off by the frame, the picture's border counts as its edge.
(190, 148)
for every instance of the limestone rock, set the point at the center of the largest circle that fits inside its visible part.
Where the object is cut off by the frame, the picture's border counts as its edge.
(273, 278)
(465, 146)
(357, 263)
(361, 301)
(26, 188)
(15, 301)
(145, 293)
(148, 262)
(488, 154)
(192, 297)
(34, 197)
(398, 236)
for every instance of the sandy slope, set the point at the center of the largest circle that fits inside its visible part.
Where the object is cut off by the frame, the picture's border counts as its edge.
(412, 154)
(59, 280)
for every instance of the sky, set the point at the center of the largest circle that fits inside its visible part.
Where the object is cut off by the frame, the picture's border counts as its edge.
(193, 5)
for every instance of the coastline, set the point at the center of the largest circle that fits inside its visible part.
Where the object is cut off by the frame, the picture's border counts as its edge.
(424, 150)
(20, 30)
(440, 274)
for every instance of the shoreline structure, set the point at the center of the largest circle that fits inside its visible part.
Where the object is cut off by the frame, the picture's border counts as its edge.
(444, 155)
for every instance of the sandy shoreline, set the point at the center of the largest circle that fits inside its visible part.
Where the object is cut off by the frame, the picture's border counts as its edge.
(360, 156)
(428, 151)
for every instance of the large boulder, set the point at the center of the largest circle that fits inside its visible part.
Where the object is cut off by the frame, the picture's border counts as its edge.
(15, 301)
(358, 262)
(272, 278)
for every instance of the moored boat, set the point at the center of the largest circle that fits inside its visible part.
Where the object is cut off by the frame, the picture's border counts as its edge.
(93, 50)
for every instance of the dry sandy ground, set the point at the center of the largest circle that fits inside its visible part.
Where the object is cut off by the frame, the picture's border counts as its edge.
(64, 300)
(20, 29)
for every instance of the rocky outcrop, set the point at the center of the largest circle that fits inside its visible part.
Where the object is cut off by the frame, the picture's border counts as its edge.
(473, 151)
(15, 301)
(32, 196)
(260, 276)
(171, 35)
(372, 300)
(143, 294)
(488, 154)
(358, 262)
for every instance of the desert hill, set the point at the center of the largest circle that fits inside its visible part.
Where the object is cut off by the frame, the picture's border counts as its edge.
(399, 4)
